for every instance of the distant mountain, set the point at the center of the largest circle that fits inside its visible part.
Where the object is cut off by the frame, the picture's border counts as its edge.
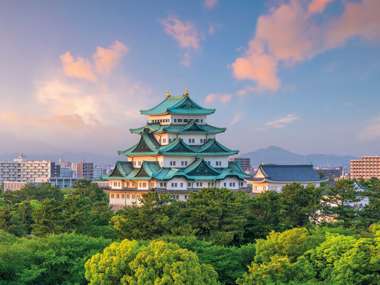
(275, 154)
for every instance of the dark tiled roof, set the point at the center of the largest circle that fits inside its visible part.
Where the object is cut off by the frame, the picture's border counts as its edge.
(291, 173)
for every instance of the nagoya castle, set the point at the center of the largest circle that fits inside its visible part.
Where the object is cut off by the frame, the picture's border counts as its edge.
(177, 153)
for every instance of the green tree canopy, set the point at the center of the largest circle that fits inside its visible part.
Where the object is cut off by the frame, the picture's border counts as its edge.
(158, 263)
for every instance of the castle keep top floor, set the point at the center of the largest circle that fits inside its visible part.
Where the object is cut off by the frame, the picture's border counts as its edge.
(177, 110)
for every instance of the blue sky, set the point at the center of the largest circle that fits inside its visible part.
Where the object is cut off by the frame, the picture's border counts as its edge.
(301, 74)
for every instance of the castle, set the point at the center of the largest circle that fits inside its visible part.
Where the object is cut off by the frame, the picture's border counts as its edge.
(177, 153)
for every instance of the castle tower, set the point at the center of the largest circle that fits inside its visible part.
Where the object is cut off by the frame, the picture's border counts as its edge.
(177, 153)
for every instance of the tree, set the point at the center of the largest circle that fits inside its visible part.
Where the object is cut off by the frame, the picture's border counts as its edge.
(218, 215)
(158, 215)
(56, 259)
(159, 262)
(263, 215)
(229, 262)
(338, 202)
(299, 205)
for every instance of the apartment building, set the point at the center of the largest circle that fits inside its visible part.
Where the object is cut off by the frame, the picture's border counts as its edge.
(365, 167)
(22, 170)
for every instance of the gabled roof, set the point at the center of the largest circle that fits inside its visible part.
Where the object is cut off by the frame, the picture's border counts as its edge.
(213, 146)
(190, 127)
(149, 146)
(289, 173)
(146, 145)
(198, 170)
(181, 105)
(176, 146)
(122, 169)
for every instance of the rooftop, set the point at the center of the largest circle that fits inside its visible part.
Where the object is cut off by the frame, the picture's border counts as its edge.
(148, 145)
(288, 173)
(198, 170)
(179, 105)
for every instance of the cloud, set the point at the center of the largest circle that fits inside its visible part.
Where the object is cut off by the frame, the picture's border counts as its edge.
(185, 34)
(372, 131)
(210, 4)
(290, 34)
(104, 60)
(282, 122)
(236, 118)
(318, 6)
(78, 68)
(64, 111)
(217, 97)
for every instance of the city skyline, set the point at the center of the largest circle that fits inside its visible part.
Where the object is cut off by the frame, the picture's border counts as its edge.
(298, 74)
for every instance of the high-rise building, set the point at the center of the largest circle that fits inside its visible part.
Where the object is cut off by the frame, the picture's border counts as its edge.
(177, 153)
(83, 170)
(365, 168)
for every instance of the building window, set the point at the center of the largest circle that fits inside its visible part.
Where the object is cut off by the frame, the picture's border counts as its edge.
(225, 184)
(179, 120)
(181, 184)
(174, 184)
(172, 163)
(112, 195)
(163, 140)
(183, 163)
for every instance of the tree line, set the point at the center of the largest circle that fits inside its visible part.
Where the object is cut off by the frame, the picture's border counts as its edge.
(51, 236)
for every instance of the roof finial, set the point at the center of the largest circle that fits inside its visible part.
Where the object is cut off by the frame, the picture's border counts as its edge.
(186, 92)
(167, 94)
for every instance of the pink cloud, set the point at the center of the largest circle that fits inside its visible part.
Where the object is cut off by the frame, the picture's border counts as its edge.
(185, 33)
(78, 68)
(282, 122)
(359, 19)
(210, 4)
(317, 6)
(106, 59)
(216, 97)
(289, 34)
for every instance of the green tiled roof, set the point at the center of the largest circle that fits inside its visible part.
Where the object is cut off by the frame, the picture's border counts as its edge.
(190, 127)
(146, 145)
(149, 146)
(198, 170)
(180, 105)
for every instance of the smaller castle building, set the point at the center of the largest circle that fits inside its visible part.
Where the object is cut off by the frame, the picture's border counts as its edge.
(273, 177)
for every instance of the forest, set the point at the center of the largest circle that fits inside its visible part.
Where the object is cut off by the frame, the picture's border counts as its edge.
(303, 235)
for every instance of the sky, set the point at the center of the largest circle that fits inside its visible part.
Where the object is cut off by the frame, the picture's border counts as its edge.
(299, 74)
